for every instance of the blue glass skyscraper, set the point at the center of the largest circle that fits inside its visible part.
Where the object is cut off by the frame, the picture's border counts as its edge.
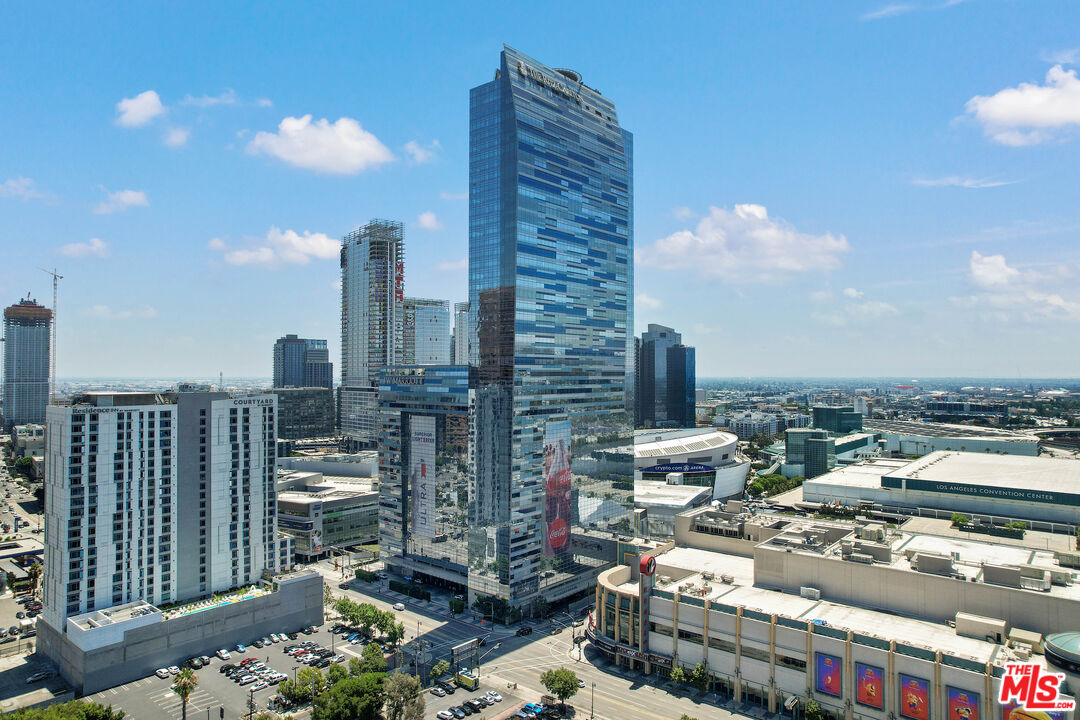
(551, 283)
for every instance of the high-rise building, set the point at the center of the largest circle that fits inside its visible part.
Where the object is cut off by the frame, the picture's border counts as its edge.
(551, 289)
(424, 472)
(156, 497)
(372, 322)
(665, 380)
(26, 363)
(304, 412)
(837, 419)
(460, 340)
(302, 362)
(427, 332)
(681, 382)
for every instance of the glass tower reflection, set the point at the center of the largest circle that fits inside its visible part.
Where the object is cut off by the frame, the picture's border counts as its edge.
(551, 318)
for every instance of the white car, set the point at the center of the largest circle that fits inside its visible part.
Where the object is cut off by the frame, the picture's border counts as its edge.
(399, 606)
(494, 696)
(224, 654)
(173, 670)
(247, 679)
(260, 685)
(444, 715)
(162, 672)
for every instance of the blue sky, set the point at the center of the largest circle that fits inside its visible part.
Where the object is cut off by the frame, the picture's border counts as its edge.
(841, 188)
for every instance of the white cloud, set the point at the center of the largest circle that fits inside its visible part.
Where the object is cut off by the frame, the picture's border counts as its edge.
(264, 102)
(853, 293)
(122, 200)
(280, 247)
(429, 221)
(226, 98)
(1068, 56)
(453, 265)
(104, 312)
(342, 147)
(744, 245)
(647, 302)
(683, 213)
(94, 247)
(1005, 293)
(139, 110)
(961, 182)
(855, 313)
(453, 196)
(176, 137)
(418, 154)
(991, 271)
(1028, 113)
(888, 11)
(23, 188)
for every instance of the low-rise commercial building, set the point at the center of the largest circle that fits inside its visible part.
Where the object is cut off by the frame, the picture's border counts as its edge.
(867, 620)
(322, 513)
(662, 501)
(28, 440)
(919, 438)
(1042, 491)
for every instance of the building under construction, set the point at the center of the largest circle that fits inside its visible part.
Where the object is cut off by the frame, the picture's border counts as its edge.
(26, 362)
(372, 322)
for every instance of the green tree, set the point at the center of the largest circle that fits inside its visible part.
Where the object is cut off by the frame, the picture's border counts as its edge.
(34, 572)
(371, 660)
(72, 710)
(439, 669)
(959, 519)
(395, 634)
(185, 684)
(293, 691)
(561, 683)
(335, 673)
(312, 680)
(678, 675)
(354, 698)
(686, 717)
(699, 677)
(813, 711)
(402, 697)
(328, 596)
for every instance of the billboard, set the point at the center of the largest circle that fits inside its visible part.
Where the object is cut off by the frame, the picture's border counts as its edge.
(316, 527)
(914, 697)
(829, 674)
(422, 474)
(556, 487)
(870, 686)
(963, 705)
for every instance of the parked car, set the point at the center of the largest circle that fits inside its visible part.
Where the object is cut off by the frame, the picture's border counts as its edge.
(173, 670)
(162, 672)
(438, 692)
(247, 679)
(205, 659)
(494, 696)
(240, 648)
(522, 631)
(223, 654)
(38, 677)
(444, 715)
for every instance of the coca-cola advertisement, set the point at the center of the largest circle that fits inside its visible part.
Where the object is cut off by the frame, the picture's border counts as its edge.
(557, 487)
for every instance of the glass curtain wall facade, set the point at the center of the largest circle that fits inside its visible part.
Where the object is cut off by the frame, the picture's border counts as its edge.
(26, 363)
(651, 408)
(427, 332)
(551, 318)
(424, 471)
(372, 322)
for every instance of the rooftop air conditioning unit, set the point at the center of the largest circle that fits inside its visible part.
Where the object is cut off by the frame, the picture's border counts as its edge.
(727, 579)
(810, 593)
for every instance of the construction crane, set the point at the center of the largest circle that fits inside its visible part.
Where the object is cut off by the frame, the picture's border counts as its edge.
(56, 278)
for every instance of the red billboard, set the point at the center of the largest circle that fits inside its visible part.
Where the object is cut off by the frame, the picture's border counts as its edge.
(556, 487)
(869, 686)
(914, 698)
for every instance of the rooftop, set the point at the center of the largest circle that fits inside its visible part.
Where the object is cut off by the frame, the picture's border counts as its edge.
(655, 492)
(659, 443)
(944, 430)
(1005, 471)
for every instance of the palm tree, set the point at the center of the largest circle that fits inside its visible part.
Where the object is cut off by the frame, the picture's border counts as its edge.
(34, 571)
(185, 684)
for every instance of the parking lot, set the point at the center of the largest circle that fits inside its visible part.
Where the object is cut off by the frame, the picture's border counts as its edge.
(152, 698)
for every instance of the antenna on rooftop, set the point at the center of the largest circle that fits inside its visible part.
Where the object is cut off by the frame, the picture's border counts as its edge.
(56, 278)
